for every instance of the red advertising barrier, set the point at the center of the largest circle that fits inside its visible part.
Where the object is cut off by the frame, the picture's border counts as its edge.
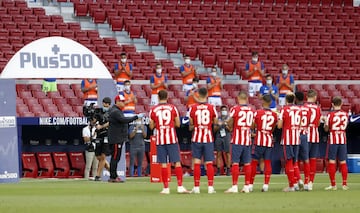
(155, 168)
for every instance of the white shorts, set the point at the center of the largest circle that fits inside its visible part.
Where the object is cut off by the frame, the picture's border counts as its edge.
(216, 101)
(154, 99)
(254, 88)
(281, 101)
(187, 87)
(120, 87)
(88, 102)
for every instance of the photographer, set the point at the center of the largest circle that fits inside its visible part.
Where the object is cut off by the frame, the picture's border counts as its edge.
(102, 143)
(89, 135)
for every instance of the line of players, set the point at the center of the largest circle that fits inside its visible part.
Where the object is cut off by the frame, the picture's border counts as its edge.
(299, 123)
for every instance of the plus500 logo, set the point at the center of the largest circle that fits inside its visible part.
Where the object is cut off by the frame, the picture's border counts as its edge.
(75, 61)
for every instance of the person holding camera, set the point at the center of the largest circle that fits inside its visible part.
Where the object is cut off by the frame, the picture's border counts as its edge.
(137, 134)
(102, 144)
(118, 134)
(89, 136)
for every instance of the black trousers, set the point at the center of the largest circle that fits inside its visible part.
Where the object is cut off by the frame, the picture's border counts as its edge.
(116, 150)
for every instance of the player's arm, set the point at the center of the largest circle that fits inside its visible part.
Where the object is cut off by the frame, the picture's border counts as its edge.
(230, 123)
(151, 124)
(262, 71)
(129, 72)
(177, 122)
(248, 72)
(280, 124)
(117, 70)
(326, 126)
(209, 85)
(191, 124)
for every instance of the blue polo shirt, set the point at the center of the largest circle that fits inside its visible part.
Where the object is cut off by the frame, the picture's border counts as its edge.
(265, 90)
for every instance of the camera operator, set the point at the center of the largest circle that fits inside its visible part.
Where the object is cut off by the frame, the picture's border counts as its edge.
(89, 136)
(102, 144)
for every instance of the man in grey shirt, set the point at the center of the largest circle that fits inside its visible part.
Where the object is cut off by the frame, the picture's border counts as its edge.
(137, 134)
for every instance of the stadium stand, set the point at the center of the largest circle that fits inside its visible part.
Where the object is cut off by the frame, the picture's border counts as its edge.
(29, 165)
(46, 166)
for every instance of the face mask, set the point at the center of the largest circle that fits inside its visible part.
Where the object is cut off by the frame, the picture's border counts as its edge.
(123, 60)
(105, 109)
(255, 60)
(213, 74)
(269, 82)
(127, 88)
(195, 85)
(224, 113)
(187, 61)
(158, 71)
(284, 72)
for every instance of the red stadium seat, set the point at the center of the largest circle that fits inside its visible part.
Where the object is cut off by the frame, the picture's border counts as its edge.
(77, 164)
(46, 166)
(29, 165)
(61, 165)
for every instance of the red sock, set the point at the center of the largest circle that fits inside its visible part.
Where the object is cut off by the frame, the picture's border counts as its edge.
(312, 169)
(247, 170)
(235, 174)
(297, 176)
(267, 171)
(344, 173)
(179, 175)
(306, 172)
(254, 164)
(164, 175)
(332, 171)
(210, 173)
(289, 169)
(197, 174)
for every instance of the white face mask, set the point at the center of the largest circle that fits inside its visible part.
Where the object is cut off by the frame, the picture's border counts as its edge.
(255, 59)
(158, 71)
(213, 74)
(187, 61)
(284, 72)
(123, 60)
(127, 88)
(269, 82)
(224, 113)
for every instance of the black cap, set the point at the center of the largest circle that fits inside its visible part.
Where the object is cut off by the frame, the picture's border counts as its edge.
(107, 100)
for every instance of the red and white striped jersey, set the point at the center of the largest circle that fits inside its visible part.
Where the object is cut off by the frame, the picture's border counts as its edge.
(202, 115)
(313, 130)
(337, 122)
(291, 117)
(164, 117)
(243, 117)
(305, 119)
(265, 121)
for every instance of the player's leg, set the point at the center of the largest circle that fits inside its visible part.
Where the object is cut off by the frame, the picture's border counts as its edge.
(162, 155)
(235, 159)
(196, 150)
(289, 166)
(342, 153)
(246, 159)
(218, 148)
(208, 159)
(116, 150)
(254, 163)
(332, 154)
(267, 168)
(305, 156)
(174, 157)
(313, 155)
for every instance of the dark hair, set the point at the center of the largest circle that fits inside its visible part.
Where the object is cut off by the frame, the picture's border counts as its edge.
(126, 81)
(311, 93)
(107, 100)
(203, 92)
(337, 101)
(290, 98)
(267, 99)
(299, 96)
(223, 107)
(162, 94)
(196, 79)
(268, 75)
(123, 54)
(254, 53)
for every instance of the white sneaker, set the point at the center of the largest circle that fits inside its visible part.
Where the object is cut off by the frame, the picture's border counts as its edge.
(265, 188)
(301, 184)
(310, 186)
(195, 190)
(306, 187)
(289, 189)
(233, 189)
(245, 189)
(165, 191)
(251, 187)
(211, 190)
(345, 187)
(182, 190)
(331, 188)
(296, 187)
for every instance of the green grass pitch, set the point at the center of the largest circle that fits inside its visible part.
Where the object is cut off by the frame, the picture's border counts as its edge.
(139, 195)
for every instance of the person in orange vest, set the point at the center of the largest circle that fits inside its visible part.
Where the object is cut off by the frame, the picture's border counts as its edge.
(285, 83)
(214, 87)
(123, 72)
(192, 95)
(130, 99)
(188, 73)
(158, 82)
(254, 72)
(89, 88)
